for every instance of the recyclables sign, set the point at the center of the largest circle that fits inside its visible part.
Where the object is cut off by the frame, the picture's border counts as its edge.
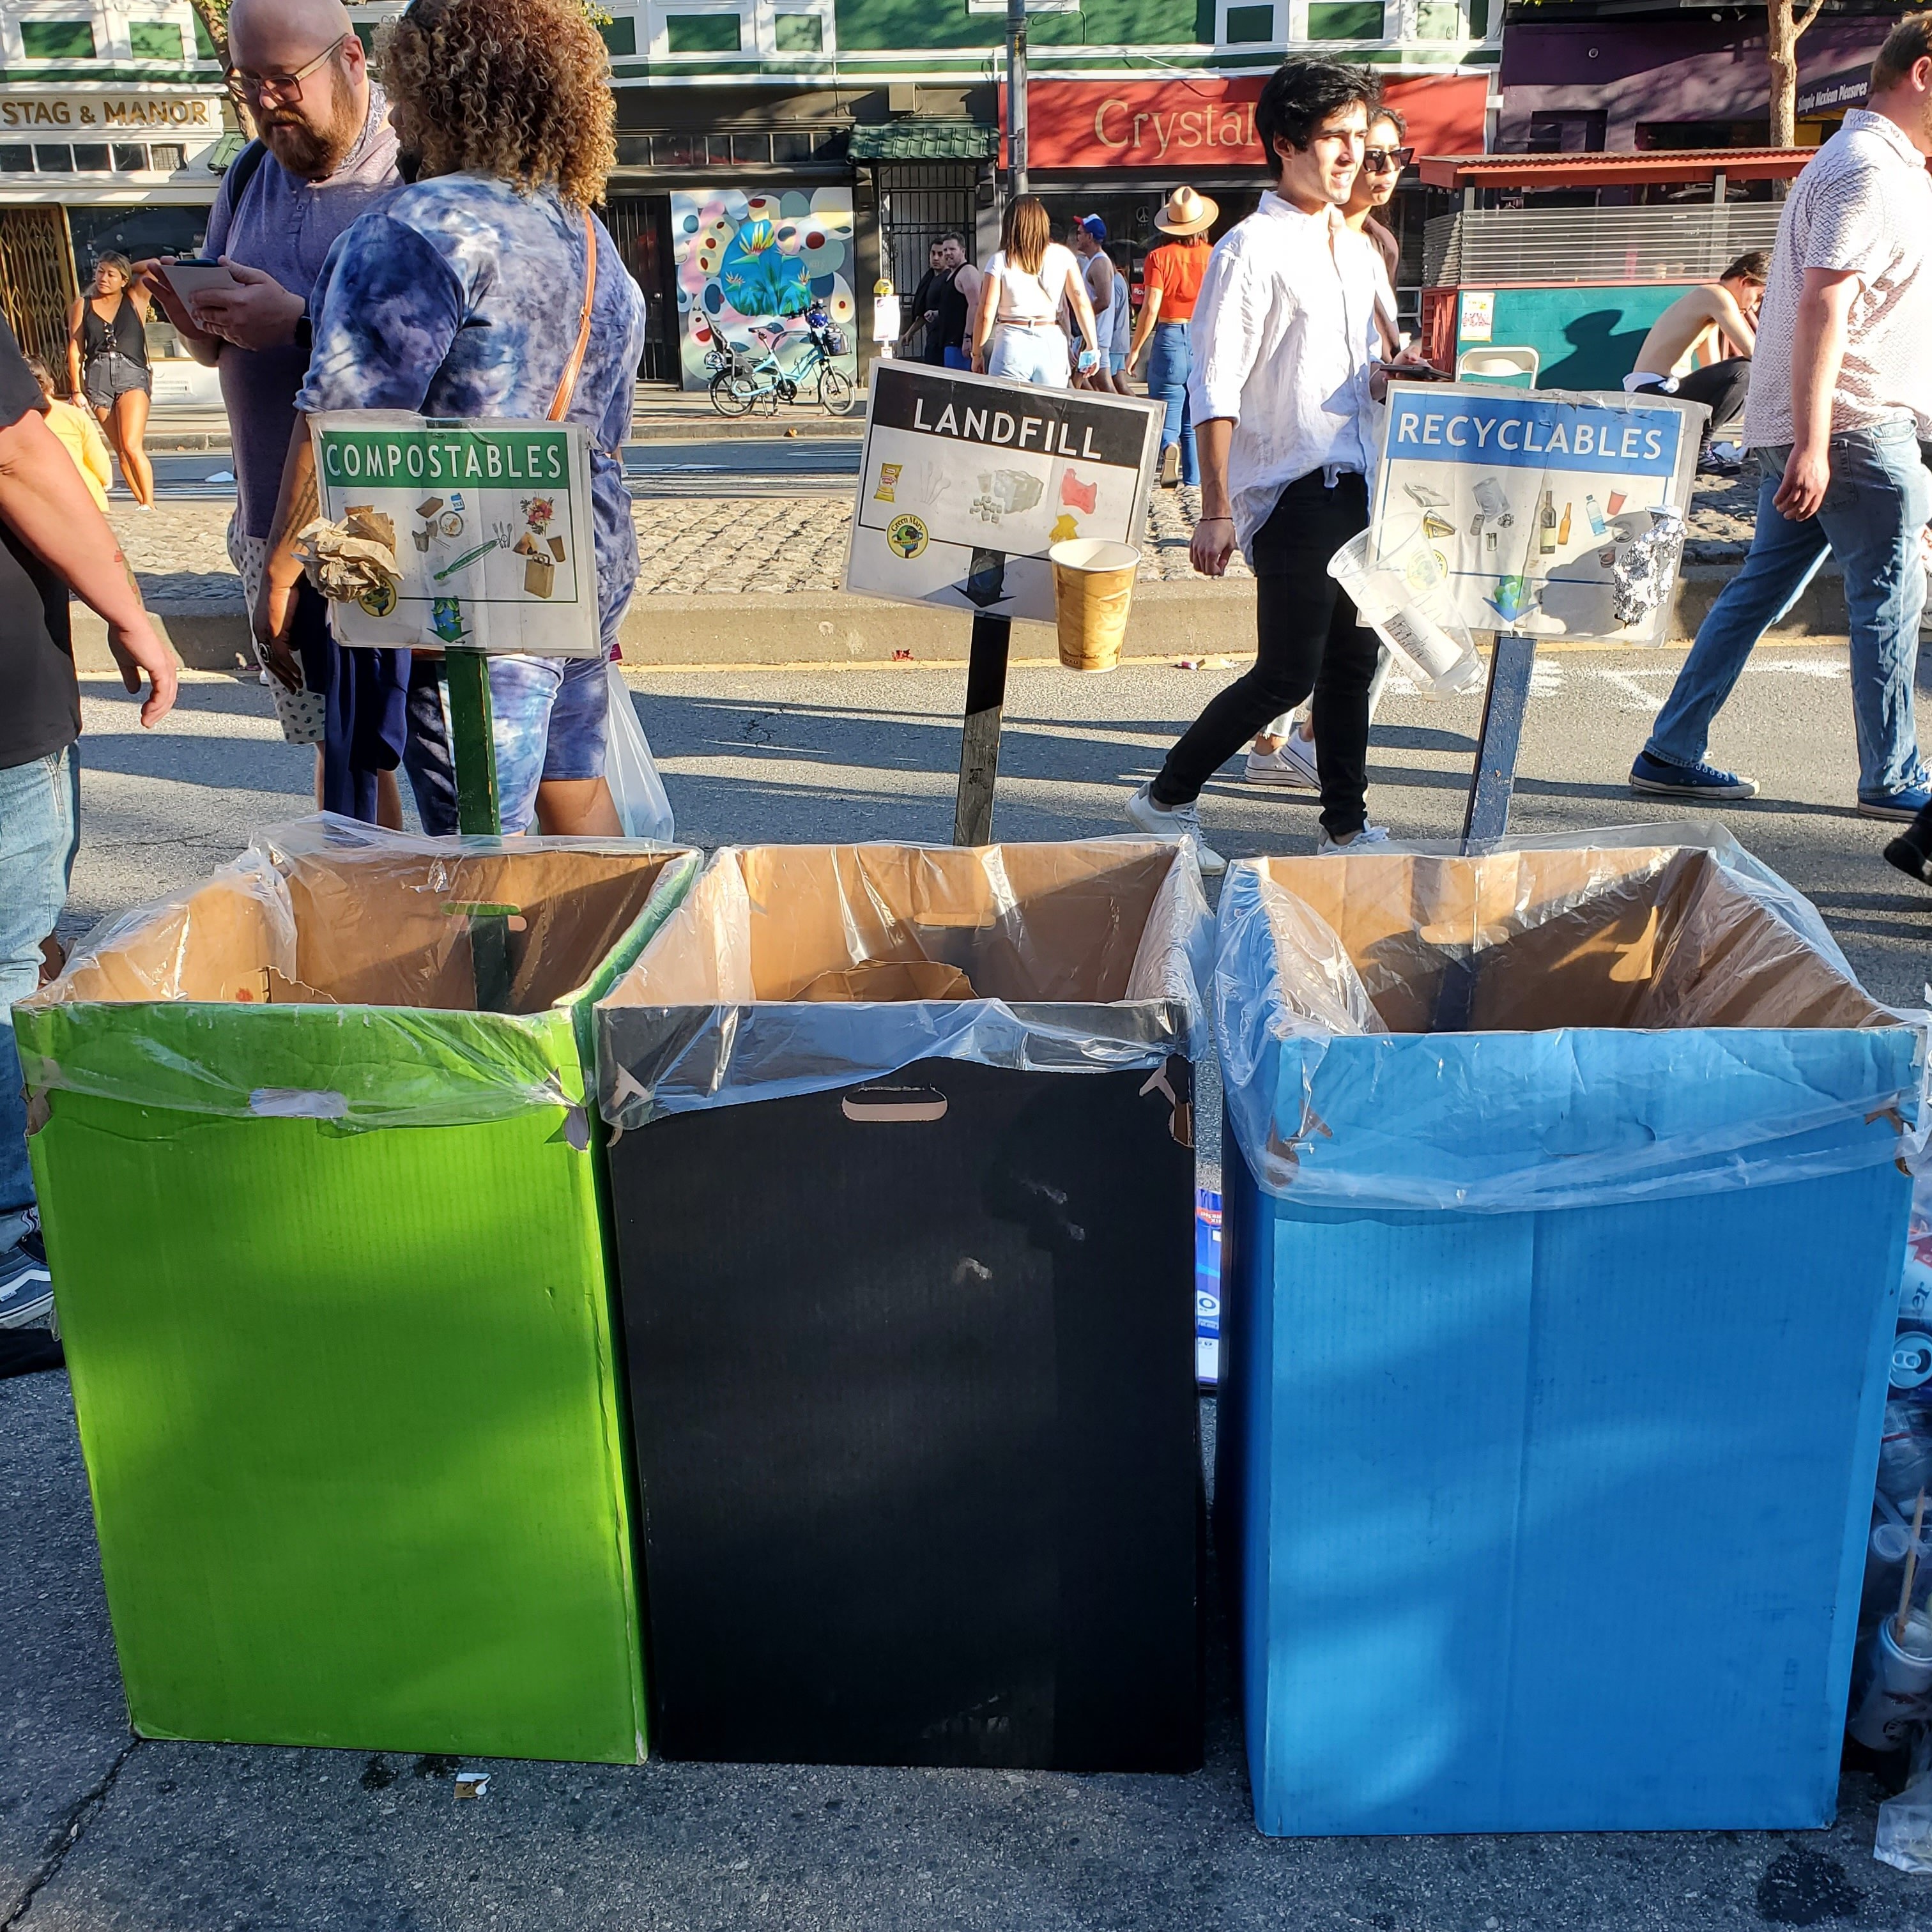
(1532, 500)
(490, 521)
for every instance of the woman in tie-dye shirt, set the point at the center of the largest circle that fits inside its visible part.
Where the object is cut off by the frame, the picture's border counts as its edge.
(462, 297)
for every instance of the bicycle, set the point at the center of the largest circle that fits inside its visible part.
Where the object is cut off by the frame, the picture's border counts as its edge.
(746, 379)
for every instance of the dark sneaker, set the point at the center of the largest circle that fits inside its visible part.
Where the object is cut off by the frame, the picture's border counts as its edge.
(1904, 805)
(1658, 775)
(1911, 859)
(26, 1288)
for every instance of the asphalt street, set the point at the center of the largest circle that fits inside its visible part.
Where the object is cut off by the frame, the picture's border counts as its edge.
(98, 1831)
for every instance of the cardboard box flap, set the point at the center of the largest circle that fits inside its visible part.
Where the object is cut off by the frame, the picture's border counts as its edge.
(1557, 1026)
(1081, 954)
(389, 931)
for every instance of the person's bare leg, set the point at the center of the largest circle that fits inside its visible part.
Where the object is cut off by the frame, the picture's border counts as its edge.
(130, 416)
(388, 803)
(577, 808)
(318, 777)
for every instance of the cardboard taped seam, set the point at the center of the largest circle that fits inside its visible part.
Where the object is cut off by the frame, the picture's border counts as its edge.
(1087, 955)
(1578, 989)
(358, 948)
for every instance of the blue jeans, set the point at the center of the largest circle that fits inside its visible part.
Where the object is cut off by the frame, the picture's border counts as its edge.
(1170, 358)
(1878, 501)
(39, 831)
(1033, 352)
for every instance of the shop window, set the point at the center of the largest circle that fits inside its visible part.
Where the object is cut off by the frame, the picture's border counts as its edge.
(130, 158)
(52, 161)
(91, 158)
(155, 40)
(1577, 133)
(798, 33)
(57, 40)
(634, 150)
(169, 157)
(1247, 25)
(15, 159)
(703, 33)
(794, 147)
(1345, 20)
(620, 37)
(1439, 20)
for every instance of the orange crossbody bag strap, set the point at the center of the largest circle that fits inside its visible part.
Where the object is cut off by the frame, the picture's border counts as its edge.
(567, 384)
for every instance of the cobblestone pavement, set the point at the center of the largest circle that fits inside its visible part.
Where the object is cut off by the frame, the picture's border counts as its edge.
(728, 544)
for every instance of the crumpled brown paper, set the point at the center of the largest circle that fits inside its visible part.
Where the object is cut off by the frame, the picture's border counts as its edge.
(352, 559)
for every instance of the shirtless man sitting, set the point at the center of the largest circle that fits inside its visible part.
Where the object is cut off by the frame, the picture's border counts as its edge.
(1695, 327)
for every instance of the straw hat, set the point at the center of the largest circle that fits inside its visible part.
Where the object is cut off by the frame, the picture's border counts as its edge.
(1187, 213)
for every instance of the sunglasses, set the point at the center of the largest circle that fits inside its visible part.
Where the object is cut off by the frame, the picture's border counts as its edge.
(1380, 160)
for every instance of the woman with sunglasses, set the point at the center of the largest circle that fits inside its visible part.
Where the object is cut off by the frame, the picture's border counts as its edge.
(1284, 755)
(488, 288)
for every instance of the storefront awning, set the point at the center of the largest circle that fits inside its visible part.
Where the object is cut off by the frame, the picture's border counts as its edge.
(916, 140)
(1654, 166)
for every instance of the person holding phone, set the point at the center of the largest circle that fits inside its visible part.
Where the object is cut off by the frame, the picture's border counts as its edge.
(325, 154)
(1016, 333)
(107, 361)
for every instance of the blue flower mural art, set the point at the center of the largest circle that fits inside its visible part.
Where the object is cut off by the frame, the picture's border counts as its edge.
(763, 259)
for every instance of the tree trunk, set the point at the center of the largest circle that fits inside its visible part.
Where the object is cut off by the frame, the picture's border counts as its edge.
(1781, 45)
(214, 17)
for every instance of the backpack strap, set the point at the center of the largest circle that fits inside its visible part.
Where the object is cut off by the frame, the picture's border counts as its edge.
(242, 171)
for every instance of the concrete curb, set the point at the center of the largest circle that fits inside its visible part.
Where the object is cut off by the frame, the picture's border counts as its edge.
(1179, 619)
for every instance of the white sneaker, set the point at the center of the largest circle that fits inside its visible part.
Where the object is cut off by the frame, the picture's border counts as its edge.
(1369, 834)
(1292, 763)
(1170, 466)
(1182, 821)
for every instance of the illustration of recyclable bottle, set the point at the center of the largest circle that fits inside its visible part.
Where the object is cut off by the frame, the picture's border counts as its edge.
(1563, 528)
(1546, 527)
(1598, 528)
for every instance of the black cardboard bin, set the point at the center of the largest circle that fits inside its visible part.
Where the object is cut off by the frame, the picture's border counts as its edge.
(910, 1334)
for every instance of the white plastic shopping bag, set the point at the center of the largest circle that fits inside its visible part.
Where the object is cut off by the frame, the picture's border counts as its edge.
(630, 770)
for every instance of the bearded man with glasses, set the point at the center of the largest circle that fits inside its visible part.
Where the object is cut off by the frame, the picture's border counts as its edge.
(324, 154)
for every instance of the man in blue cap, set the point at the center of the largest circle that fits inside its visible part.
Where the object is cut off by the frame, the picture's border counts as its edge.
(1089, 241)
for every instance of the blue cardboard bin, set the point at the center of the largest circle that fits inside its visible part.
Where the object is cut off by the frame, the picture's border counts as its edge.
(1565, 1218)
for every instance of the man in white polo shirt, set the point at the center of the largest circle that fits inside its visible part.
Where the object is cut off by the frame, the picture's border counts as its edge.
(1284, 341)
(1840, 397)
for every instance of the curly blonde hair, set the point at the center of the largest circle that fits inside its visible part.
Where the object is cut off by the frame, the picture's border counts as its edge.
(517, 89)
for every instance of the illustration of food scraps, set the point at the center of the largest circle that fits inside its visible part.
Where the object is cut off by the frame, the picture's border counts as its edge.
(441, 517)
(541, 552)
(1076, 493)
(1005, 492)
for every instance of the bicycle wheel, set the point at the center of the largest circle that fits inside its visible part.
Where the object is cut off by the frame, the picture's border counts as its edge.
(732, 394)
(835, 391)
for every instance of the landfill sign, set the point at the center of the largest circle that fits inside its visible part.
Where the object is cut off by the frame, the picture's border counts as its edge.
(490, 523)
(1553, 513)
(966, 482)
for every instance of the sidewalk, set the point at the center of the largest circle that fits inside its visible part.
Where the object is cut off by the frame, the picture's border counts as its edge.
(659, 414)
(741, 579)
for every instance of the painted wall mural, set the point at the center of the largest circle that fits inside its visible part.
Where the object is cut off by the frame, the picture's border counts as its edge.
(745, 259)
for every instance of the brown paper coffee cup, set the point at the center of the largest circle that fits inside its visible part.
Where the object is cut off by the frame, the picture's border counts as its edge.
(1093, 587)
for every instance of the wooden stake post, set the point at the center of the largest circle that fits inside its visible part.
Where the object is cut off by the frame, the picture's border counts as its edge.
(979, 737)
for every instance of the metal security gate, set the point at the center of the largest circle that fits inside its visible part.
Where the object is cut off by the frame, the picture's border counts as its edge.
(639, 224)
(38, 284)
(918, 202)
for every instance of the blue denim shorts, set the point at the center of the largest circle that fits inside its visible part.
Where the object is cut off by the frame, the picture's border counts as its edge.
(550, 717)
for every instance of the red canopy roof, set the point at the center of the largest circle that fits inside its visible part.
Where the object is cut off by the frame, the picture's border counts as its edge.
(1607, 170)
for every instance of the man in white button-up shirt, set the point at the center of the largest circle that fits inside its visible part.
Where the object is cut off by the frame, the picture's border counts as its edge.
(1284, 340)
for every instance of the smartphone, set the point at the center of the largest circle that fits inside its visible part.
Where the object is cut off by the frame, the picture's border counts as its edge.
(192, 276)
(1415, 372)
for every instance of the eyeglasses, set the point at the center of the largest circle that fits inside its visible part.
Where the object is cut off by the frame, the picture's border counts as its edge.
(1381, 161)
(285, 88)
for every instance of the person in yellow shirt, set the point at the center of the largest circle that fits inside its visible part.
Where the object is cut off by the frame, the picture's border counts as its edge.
(80, 433)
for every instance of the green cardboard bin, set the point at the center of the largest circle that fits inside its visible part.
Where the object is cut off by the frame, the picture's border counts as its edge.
(330, 1265)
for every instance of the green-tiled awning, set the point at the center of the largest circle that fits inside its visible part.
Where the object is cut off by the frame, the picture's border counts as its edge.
(916, 140)
(225, 150)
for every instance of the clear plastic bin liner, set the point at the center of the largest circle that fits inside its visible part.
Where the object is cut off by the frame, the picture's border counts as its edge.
(358, 947)
(1086, 957)
(1609, 1017)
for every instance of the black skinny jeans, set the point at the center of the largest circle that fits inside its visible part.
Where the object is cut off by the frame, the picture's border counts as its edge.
(1723, 386)
(1306, 640)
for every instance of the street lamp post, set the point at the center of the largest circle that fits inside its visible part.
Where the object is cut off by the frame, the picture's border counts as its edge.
(1016, 98)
